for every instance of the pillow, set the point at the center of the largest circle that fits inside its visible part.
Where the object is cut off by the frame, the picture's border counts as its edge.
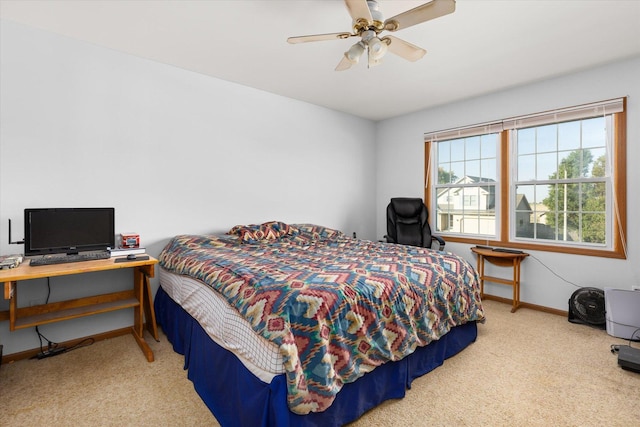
(318, 232)
(255, 233)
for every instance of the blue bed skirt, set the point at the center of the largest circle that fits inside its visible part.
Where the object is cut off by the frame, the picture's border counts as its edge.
(237, 398)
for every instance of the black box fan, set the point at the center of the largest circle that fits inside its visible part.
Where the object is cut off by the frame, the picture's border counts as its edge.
(586, 306)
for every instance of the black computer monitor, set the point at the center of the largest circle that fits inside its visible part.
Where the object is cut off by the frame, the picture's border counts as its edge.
(68, 230)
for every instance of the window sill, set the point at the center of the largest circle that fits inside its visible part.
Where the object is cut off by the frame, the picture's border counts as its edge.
(602, 253)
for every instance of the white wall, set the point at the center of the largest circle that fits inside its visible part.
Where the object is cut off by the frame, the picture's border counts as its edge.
(173, 151)
(400, 172)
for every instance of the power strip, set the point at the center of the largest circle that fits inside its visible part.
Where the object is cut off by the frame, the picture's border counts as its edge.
(51, 353)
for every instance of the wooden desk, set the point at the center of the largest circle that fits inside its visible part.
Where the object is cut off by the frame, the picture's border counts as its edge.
(503, 259)
(139, 298)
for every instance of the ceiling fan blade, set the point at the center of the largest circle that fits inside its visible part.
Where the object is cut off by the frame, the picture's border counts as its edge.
(359, 10)
(433, 9)
(404, 49)
(344, 64)
(319, 37)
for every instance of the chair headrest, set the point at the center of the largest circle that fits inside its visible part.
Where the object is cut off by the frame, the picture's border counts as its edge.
(407, 207)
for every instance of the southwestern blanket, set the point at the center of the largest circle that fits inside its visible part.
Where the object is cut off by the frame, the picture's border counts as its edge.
(336, 307)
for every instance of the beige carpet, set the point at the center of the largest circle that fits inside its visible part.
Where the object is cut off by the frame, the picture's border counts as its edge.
(525, 369)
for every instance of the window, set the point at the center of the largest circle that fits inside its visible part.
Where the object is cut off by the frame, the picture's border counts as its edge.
(465, 192)
(563, 181)
(553, 181)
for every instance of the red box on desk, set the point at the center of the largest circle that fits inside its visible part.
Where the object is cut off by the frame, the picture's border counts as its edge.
(130, 240)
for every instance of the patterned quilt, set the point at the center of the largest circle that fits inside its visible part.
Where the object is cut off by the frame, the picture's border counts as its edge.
(336, 307)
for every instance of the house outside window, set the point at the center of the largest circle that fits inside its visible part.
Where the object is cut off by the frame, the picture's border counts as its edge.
(465, 191)
(551, 181)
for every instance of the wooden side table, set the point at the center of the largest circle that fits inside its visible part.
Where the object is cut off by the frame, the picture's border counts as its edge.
(502, 259)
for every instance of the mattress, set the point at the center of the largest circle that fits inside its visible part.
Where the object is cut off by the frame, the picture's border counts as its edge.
(223, 324)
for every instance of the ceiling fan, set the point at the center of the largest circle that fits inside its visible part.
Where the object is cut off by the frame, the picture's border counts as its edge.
(368, 24)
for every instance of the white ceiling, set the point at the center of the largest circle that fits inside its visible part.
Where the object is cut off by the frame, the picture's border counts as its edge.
(484, 46)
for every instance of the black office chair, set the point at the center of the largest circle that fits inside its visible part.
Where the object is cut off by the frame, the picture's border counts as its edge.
(407, 223)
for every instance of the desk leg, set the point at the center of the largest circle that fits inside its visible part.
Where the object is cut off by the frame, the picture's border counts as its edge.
(481, 274)
(149, 312)
(9, 289)
(138, 320)
(516, 284)
(11, 292)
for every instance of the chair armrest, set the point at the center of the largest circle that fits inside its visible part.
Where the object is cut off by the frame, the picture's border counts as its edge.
(440, 240)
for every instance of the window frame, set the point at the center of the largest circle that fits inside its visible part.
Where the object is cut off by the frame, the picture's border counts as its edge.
(504, 218)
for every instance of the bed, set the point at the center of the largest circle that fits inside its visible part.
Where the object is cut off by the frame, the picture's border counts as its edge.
(300, 325)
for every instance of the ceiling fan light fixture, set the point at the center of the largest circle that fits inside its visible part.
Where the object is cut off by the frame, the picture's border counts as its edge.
(377, 48)
(355, 52)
